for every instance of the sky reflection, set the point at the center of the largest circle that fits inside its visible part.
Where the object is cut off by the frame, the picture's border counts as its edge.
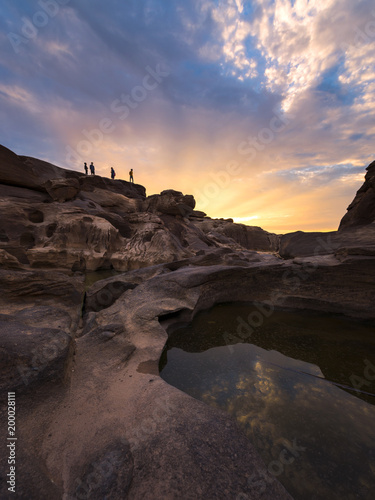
(275, 397)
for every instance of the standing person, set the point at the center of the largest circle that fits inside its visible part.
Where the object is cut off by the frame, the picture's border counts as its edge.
(113, 173)
(92, 169)
(86, 168)
(131, 176)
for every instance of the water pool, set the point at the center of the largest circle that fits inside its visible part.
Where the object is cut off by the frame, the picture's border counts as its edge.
(301, 385)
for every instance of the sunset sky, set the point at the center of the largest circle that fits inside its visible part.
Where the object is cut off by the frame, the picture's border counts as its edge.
(264, 110)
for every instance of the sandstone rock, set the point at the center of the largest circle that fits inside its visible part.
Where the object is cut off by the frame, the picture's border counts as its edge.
(170, 202)
(30, 354)
(76, 242)
(117, 203)
(91, 182)
(62, 189)
(249, 237)
(18, 193)
(300, 244)
(107, 294)
(198, 214)
(362, 209)
(120, 223)
(21, 289)
(94, 394)
(19, 221)
(94, 223)
(40, 316)
(15, 172)
(108, 474)
(46, 171)
(31, 173)
(8, 261)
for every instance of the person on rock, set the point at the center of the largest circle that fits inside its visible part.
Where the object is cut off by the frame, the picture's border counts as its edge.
(131, 179)
(92, 169)
(113, 173)
(86, 168)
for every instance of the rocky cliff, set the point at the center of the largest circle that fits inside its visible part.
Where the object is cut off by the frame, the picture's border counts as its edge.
(356, 233)
(361, 211)
(94, 419)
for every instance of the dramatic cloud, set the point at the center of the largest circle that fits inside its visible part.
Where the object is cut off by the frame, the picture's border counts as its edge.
(255, 107)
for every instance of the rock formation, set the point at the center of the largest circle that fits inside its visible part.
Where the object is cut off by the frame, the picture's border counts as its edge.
(94, 419)
(361, 211)
(355, 236)
(63, 219)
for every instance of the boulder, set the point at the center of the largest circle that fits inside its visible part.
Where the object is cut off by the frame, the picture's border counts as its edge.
(170, 202)
(62, 189)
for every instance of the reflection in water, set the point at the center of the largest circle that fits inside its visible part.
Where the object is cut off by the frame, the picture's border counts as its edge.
(292, 382)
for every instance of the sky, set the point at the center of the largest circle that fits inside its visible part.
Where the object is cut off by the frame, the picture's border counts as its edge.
(262, 109)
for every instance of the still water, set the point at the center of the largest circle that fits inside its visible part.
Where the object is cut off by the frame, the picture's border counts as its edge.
(301, 385)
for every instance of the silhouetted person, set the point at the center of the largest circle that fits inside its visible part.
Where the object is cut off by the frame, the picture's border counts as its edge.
(131, 179)
(86, 169)
(92, 169)
(113, 173)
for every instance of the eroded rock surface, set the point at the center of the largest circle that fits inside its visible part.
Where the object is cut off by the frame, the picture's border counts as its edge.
(171, 202)
(94, 418)
(64, 219)
(40, 314)
(225, 232)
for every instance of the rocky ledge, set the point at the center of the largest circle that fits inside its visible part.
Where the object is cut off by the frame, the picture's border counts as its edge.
(94, 419)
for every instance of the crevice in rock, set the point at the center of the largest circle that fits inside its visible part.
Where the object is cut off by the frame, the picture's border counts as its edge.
(120, 224)
(106, 296)
(83, 305)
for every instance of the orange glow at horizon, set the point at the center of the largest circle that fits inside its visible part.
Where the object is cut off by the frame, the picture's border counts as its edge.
(253, 199)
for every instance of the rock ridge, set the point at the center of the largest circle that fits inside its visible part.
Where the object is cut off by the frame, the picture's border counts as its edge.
(53, 217)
